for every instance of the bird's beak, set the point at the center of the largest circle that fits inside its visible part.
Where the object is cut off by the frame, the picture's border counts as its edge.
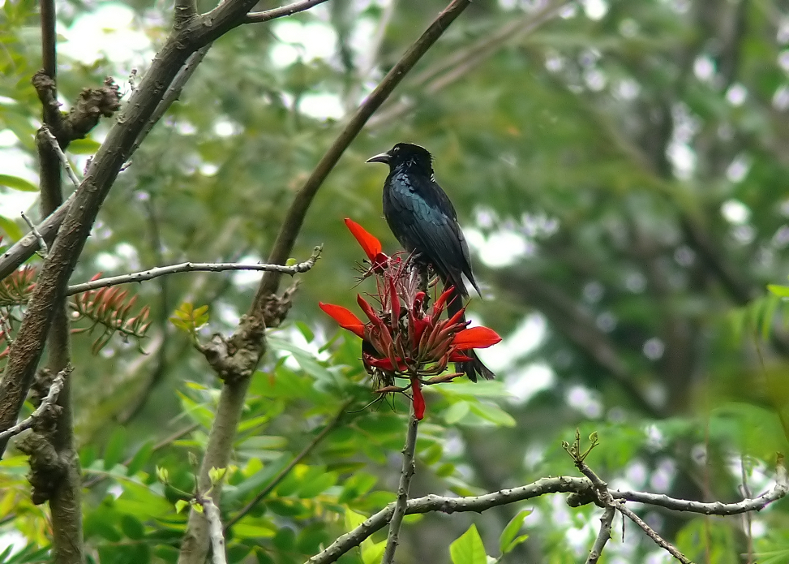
(382, 158)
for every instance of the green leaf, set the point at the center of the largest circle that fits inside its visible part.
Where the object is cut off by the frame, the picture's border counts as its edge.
(493, 413)
(245, 531)
(456, 412)
(162, 474)
(353, 519)
(132, 528)
(11, 229)
(17, 183)
(83, 146)
(358, 484)
(314, 485)
(780, 291)
(306, 331)
(258, 480)
(509, 539)
(180, 505)
(468, 549)
(372, 552)
(216, 475)
(142, 456)
(285, 539)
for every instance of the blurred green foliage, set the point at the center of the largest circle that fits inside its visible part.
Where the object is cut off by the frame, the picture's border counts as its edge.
(621, 171)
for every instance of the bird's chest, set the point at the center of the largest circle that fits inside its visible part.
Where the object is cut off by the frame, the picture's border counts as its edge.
(404, 196)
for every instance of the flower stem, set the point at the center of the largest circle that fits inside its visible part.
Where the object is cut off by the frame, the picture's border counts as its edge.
(406, 474)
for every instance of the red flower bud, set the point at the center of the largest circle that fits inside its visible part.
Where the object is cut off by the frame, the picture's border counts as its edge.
(419, 400)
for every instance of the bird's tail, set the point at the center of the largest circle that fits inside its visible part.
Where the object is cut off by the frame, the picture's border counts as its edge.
(472, 367)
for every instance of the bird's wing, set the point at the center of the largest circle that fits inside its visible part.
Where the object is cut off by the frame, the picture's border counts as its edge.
(437, 198)
(422, 218)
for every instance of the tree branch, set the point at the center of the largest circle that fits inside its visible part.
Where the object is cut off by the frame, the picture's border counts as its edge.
(651, 533)
(46, 405)
(289, 10)
(42, 244)
(172, 94)
(580, 487)
(430, 503)
(215, 530)
(55, 472)
(603, 536)
(47, 133)
(27, 246)
(192, 267)
(401, 504)
(183, 13)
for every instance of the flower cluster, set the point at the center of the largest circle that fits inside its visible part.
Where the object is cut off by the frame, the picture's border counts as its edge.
(403, 337)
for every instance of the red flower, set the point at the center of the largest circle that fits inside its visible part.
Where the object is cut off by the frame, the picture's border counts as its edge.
(413, 344)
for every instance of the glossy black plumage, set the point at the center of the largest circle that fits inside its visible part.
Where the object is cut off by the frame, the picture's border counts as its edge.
(424, 221)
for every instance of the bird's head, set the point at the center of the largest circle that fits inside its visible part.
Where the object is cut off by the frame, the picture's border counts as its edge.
(405, 154)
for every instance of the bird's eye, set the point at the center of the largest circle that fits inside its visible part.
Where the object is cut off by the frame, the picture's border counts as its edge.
(396, 150)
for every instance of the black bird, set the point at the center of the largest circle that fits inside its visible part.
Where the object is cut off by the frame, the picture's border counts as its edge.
(424, 221)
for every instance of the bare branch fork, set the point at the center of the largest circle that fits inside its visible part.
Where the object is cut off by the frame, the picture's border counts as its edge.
(46, 404)
(193, 267)
(580, 487)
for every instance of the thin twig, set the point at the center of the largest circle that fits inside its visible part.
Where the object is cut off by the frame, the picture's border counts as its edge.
(214, 530)
(289, 10)
(52, 397)
(778, 491)
(330, 426)
(651, 533)
(602, 537)
(42, 244)
(401, 504)
(192, 267)
(61, 155)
